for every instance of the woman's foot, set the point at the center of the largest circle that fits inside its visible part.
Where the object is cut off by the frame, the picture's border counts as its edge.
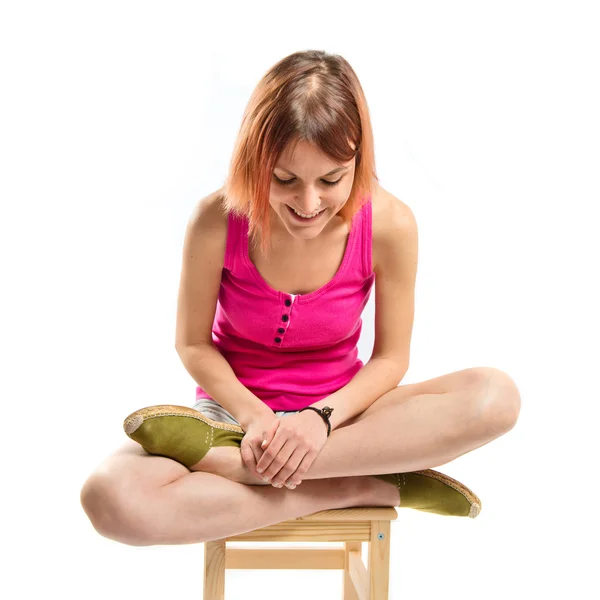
(193, 439)
(179, 432)
(382, 492)
(432, 491)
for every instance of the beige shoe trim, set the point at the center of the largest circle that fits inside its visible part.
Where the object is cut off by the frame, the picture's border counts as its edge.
(135, 419)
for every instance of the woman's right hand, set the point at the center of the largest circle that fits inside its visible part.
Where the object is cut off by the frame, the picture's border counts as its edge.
(262, 427)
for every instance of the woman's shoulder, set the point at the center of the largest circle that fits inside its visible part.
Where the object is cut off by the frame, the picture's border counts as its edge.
(208, 222)
(389, 213)
(208, 214)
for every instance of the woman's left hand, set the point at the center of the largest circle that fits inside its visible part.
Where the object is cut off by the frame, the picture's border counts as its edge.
(295, 445)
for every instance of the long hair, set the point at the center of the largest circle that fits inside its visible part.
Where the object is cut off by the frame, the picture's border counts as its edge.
(313, 96)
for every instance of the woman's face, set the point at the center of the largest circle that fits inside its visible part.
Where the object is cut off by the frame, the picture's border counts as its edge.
(303, 179)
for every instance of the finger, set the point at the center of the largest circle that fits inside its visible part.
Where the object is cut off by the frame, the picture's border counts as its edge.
(279, 463)
(274, 458)
(251, 452)
(279, 460)
(256, 448)
(273, 448)
(270, 434)
(248, 454)
(286, 474)
(303, 467)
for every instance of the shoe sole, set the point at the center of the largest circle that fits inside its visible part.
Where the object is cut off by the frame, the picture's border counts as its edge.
(135, 419)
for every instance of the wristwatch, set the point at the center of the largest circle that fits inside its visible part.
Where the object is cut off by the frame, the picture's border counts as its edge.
(324, 412)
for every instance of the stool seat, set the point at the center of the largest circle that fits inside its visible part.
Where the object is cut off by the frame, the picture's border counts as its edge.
(352, 526)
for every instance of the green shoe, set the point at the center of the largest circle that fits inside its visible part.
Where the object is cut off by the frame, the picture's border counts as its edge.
(179, 432)
(432, 491)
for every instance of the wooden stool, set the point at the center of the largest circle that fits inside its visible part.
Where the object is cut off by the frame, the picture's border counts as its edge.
(349, 525)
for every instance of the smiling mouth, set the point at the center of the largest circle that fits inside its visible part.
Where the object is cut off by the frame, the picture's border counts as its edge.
(305, 218)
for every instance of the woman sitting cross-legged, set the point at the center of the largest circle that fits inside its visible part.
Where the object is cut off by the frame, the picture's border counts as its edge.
(277, 268)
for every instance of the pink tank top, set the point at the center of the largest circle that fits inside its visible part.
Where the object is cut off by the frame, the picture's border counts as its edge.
(292, 350)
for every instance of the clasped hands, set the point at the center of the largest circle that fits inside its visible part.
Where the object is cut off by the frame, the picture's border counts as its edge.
(281, 450)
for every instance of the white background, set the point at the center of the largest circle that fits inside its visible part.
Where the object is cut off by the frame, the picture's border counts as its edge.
(116, 117)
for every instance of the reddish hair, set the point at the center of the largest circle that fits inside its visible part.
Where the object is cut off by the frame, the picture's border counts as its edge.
(313, 96)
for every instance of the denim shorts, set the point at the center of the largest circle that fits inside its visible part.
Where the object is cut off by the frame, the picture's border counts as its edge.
(212, 409)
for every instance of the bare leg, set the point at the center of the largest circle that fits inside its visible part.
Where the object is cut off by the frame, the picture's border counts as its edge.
(189, 514)
(143, 500)
(401, 432)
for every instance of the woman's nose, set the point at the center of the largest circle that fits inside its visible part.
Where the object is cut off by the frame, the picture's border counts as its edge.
(309, 202)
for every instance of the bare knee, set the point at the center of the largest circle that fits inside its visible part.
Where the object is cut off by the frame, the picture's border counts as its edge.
(499, 400)
(111, 511)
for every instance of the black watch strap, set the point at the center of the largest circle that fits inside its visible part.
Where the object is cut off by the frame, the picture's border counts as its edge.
(325, 412)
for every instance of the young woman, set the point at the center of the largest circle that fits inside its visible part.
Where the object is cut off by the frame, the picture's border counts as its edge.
(278, 265)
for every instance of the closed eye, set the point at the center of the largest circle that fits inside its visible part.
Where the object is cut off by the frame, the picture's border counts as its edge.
(290, 181)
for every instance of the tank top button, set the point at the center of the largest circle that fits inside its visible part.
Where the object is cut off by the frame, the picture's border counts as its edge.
(285, 318)
(278, 340)
(288, 302)
(281, 330)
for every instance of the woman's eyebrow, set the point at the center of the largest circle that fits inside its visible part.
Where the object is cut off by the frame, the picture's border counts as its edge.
(326, 174)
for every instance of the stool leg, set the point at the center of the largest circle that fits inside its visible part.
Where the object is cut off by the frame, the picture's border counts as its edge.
(349, 591)
(214, 570)
(379, 560)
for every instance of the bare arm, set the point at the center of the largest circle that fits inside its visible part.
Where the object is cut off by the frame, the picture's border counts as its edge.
(202, 265)
(213, 374)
